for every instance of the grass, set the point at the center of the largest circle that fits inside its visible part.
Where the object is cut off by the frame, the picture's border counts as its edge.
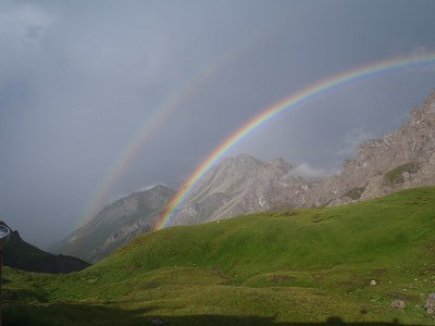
(355, 193)
(265, 269)
(396, 175)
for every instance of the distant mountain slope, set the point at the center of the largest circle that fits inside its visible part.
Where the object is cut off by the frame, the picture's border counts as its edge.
(21, 255)
(242, 184)
(117, 223)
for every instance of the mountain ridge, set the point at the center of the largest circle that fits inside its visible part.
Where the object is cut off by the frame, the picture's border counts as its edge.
(117, 223)
(402, 159)
(240, 184)
(19, 254)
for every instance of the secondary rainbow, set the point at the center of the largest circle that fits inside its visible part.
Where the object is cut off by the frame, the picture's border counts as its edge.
(319, 88)
(155, 121)
(145, 132)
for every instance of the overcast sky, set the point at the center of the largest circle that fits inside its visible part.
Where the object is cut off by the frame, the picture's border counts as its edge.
(79, 79)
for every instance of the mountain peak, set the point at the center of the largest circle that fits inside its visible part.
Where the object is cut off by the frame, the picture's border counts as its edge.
(239, 159)
(244, 157)
(239, 184)
(118, 222)
(154, 187)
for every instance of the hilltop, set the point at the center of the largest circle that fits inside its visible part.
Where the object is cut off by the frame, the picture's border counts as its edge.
(22, 255)
(265, 268)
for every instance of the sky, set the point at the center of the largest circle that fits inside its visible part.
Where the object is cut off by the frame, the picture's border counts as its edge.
(81, 81)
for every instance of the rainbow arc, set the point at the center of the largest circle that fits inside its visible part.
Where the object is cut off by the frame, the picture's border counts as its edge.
(369, 71)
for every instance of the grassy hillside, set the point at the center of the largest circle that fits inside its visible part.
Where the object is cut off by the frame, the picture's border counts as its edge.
(268, 268)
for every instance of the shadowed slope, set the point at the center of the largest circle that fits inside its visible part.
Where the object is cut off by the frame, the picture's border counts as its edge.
(22, 255)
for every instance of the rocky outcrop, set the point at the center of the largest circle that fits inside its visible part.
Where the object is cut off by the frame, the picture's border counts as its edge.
(21, 255)
(430, 304)
(400, 160)
(118, 223)
(242, 184)
(398, 304)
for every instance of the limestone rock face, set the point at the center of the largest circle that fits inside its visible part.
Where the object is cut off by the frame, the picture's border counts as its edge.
(403, 159)
(242, 184)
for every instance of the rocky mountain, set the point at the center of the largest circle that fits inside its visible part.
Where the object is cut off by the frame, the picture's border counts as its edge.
(402, 159)
(117, 223)
(21, 255)
(242, 184)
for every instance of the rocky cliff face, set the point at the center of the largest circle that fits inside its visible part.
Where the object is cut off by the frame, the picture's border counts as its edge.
(118, 223)
(21, 255)
(239, 185)
(403, 159)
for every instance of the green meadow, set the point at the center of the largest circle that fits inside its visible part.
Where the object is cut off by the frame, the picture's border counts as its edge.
(275, 268)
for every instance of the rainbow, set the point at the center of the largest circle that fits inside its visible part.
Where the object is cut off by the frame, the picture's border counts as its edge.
(319, 88)
(144, 133)
(154, 121)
